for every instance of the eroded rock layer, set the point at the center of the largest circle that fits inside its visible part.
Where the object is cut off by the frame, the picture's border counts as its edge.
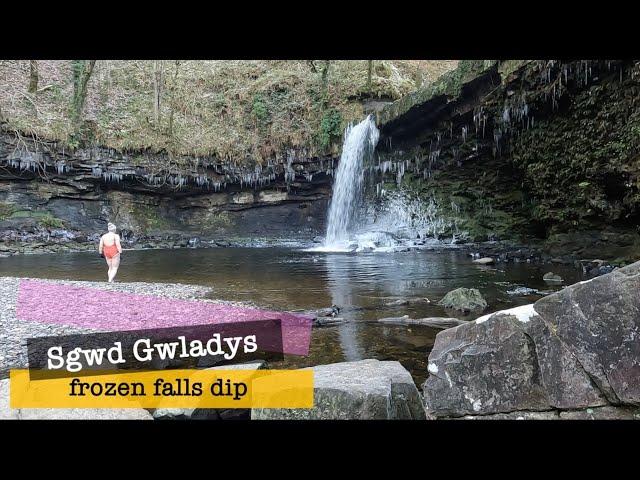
(55, 199)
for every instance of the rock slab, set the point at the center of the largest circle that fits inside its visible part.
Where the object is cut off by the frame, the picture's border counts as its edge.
(362, 390)
(576, 349)
(8, 413)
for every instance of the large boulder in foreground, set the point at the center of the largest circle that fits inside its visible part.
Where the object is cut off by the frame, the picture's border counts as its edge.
(576, 349)
(211, 413)
(8, 413)
(362, 390)
(464, 300)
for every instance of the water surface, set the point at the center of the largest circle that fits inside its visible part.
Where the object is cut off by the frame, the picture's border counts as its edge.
(289, 279)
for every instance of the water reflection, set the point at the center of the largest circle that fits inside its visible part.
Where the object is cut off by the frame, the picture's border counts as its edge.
(342, 294)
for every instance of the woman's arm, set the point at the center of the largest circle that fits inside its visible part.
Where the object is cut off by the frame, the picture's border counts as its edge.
(118, 243)
(100, 247)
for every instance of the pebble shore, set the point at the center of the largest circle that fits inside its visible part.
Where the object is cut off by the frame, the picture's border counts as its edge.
(15, 332)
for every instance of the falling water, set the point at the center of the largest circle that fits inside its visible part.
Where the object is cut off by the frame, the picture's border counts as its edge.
(359, 142)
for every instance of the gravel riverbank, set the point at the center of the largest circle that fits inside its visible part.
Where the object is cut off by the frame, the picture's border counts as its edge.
(15, 332)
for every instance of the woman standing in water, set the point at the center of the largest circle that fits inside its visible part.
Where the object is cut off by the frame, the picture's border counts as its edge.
(111, 249)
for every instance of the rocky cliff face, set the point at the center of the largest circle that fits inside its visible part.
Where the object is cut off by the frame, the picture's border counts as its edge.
(535, 151)
(55, 199)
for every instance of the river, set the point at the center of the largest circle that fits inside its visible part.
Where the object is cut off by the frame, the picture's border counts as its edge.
(289, 279)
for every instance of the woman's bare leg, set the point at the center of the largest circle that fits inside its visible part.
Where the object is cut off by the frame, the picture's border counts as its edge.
(109, 264)
(115, 263)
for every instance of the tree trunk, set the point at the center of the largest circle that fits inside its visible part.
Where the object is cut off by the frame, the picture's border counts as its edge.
(33, 76)
(82, 70)
(325, 82)
(419, 77)
(173, 90)
(157, 90)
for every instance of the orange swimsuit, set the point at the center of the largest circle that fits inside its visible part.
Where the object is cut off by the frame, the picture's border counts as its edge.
(110, 251)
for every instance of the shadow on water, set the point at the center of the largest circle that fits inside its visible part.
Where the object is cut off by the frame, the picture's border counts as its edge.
(362, 285)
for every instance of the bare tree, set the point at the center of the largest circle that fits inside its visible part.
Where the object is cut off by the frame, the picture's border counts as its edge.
(82, 70)
(325, 82)
(174, 84)
(419, 76)
(33, 76)
(369, 74)
(158, 67)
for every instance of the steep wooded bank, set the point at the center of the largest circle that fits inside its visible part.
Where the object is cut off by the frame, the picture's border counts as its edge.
(540, 152)
(234, 110)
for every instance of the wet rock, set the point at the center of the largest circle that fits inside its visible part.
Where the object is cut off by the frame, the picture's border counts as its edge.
(572, 350)
(328, 321)
(407, 301)
(464, 300)
(485, 261)
(352, 247)
(433, 322)
(523, 291)
(362, 390)
(551, 277)
(595, 268)
(318, 239)
(62, 234)
(331, 311)
(603, 270)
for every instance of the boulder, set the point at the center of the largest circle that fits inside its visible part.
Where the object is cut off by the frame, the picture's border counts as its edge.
(599, 322)
(209, 413)
(362, 390)
(464, 300)
(8, 413)
(576, 349)
(551, 277)
(484, 261)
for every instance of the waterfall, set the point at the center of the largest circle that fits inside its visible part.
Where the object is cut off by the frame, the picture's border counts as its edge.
(359, 142)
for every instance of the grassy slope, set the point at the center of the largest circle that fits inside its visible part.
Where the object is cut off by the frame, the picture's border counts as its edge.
(231, 109)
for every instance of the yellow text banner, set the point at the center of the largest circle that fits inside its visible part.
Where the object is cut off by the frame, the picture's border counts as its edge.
(167, 389)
